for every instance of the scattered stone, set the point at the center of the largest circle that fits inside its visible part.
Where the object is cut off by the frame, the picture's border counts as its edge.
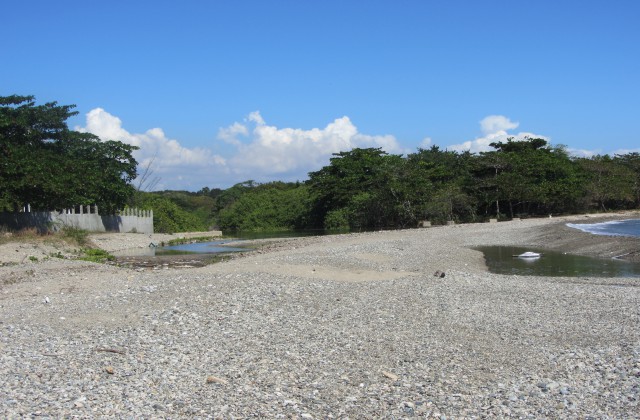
(439, 274)
(285, 342)
(390, 375)
(215, 380)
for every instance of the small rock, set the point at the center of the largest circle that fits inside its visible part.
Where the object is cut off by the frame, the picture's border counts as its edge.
(552, 385)
(390, 375)
(109, 370)
(439, 274)
(215, 380)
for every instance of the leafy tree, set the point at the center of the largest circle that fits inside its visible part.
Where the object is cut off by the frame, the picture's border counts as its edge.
(610, 182)
(46, 165)
(438, 181)
(264, 207)
(632, 162)
(528, 176)
(354, 181)
(168, 216)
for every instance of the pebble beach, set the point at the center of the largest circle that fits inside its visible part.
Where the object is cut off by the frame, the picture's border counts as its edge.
(345, 326)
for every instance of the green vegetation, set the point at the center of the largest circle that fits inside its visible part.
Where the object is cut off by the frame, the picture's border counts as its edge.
(267, 207)
(368, 188)
(75, 236)
(176, 211)
(46, 165)
(181, 241)
(96, 255)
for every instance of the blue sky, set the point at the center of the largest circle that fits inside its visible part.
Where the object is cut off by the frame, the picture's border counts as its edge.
(219, 92)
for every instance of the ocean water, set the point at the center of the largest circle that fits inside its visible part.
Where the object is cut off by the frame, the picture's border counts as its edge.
(630, 227)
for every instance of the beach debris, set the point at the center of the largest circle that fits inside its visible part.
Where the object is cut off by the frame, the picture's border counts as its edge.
(528, 254)
(439, 274)
(107, 350)
(390, 375)
(46, 300)
(215, 380)
(109, 370)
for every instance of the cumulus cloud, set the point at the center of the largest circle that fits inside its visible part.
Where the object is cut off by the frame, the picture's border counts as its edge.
(583, 153)
(497, 123)
(259, 151)
(625, 151)
(269, 152)
(495, 129)
(426, 143)
(176, 166)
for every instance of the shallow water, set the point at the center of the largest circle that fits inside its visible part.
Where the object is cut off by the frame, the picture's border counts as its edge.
(630, 227)
(501, 260)
(211, 247)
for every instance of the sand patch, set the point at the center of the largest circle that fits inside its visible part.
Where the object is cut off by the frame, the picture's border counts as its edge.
(327, 273)
(378, 258)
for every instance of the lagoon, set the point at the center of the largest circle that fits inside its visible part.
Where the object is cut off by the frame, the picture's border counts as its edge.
(211, 247)
(501, 260)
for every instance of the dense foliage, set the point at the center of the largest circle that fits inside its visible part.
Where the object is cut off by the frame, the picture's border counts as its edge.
(176, 211)
(368, 188)
(46, 165)
(267, 207)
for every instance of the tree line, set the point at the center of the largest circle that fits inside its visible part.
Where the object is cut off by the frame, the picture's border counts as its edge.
(368, 188)
(45, 164)
(48, 166)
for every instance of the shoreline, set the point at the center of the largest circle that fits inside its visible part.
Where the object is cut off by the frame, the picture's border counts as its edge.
(561, 237)
(554, 235)
(353, 325)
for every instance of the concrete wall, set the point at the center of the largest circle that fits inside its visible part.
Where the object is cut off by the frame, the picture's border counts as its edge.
(130, 220)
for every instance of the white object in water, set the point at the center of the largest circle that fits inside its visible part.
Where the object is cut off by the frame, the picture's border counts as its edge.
(528, 254)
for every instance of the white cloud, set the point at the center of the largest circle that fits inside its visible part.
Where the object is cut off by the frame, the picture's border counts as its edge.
(231, 133)
(426, 143)
(625, 151)
(268, 152)
(260, 151)
(497, 123)
(256, 118)
(176, 166)
(583, 153)
(494, 128)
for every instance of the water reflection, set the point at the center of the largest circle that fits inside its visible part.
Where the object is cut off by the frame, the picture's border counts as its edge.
(501, 260)
(211, 247)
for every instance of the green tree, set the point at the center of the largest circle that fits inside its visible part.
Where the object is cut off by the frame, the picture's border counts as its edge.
(267, 207)
(632, 162)
(437, 182)
(527, 177)
(358, 185)
(610, 183)
(46, 165)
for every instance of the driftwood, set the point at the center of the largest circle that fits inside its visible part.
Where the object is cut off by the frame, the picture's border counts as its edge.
(110, 350)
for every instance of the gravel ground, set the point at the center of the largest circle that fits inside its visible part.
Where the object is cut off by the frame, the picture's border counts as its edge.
(349, 326)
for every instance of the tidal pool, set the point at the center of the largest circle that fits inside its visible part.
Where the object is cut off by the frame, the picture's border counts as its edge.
(501, 260)
(211, 247)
